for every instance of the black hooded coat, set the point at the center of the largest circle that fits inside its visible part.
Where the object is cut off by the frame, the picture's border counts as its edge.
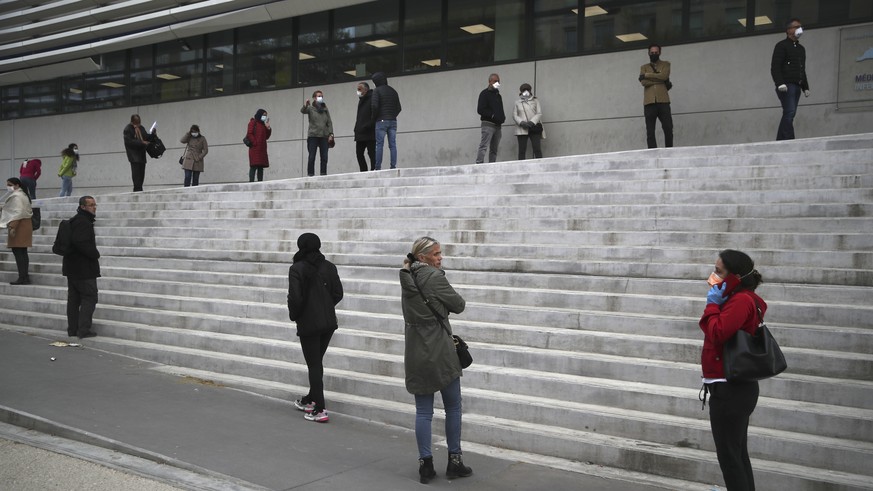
(385, 101)
(314, 289)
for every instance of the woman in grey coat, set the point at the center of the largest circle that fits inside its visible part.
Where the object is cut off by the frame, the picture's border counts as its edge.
(430, 360)
(196, 149)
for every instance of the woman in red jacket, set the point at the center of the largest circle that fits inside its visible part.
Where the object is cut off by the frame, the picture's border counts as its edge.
(257, 133)
(731, 305)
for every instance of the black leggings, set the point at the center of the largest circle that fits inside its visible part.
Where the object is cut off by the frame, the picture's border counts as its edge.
(730, 406)
(256, 170)
(314, 348)
(22, 261)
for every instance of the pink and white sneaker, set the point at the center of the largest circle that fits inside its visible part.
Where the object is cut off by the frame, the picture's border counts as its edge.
(307, 408)
(320, 417)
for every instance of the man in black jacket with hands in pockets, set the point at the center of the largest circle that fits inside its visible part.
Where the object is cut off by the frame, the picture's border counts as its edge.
(490, 109)
(81, 266)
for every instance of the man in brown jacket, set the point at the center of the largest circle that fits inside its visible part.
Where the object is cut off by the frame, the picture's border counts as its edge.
(655, 79)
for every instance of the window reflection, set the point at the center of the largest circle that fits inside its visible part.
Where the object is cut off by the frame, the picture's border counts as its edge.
(484, 31)
(555, 27)
(422, 35)
(626, 25)
(264, 56)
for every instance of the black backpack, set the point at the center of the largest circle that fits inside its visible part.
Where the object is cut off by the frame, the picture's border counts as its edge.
(64, 240)
(156, 148)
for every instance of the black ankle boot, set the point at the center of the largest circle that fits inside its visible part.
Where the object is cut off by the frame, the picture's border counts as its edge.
(456, 467)
(425, 470)
(22, 280)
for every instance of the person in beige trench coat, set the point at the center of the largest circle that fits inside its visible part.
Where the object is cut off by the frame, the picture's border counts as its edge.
(196, 149)
(16, 219)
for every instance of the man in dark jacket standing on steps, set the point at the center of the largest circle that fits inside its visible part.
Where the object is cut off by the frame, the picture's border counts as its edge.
(490, 109)
(788, 69)
(135, 142)
(385, 103)
(81, 266)
(365, 128)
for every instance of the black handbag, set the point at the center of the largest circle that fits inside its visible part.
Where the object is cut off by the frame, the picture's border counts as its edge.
(156, 148)
(36, 218)
(536, 129)
(750, 357)
(247, 142)
(461, 348)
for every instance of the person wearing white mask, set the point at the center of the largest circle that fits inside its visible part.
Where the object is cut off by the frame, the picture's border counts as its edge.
(196, 149)
(320, 134)
(365, 128)
(528, 117)
(16, 219)
(68, 169)
(490, 109)
(788, 69)
(257, 134)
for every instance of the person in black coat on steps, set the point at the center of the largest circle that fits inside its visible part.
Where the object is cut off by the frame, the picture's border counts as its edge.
(314, 289)
(365, 128)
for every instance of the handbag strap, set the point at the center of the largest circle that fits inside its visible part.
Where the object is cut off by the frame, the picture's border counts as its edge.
(525, 111)
(760, 314)
(427, 302)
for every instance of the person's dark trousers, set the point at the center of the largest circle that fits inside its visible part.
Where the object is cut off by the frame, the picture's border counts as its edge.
(22, 261)
(81, 302)
(370, 147)
(256, 170)
(660, 111)
(29, 186)
(535, 140)
(730, 406)
(192, 178)
(314, 348)
(137, 172)
(789, 102)
(316, 143)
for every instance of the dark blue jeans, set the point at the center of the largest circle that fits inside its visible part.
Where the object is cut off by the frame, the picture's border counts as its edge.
(789, 102)
(316, 143)
(192, 178)
(386, 128)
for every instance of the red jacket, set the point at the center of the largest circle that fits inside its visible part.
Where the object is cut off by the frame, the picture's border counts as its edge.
(31, 169)
(720, 323)
(258, 133)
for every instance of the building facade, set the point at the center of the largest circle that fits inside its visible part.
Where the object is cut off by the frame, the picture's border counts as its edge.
(215, 63)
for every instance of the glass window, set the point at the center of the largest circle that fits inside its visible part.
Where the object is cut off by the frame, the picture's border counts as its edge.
(73, 93)
(10, 102)
(105, 90)
(313, 48)
(366, 40)
(484, 31)
(367, 20)
(555, 27)
(618, 24)
(40, 99)
(219, 63)
(773, 15)
(709, 18)
(264, 56)
(422, 35)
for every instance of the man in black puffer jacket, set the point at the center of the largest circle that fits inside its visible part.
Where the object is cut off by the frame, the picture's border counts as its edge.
(385, 103)
(314, 289)
(788, 69)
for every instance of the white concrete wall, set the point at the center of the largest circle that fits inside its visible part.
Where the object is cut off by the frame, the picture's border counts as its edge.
(723, 94)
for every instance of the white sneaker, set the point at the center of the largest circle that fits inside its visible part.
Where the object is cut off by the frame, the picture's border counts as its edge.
(317, 417)
(304, 407)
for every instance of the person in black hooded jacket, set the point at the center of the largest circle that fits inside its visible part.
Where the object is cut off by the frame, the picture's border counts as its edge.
(385, 103)
(314, 289)
(365, 128)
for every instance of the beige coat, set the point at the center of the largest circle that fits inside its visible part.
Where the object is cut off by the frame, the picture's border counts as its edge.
(527, 110)
(653, 82)
(195, 150)
(15, 217)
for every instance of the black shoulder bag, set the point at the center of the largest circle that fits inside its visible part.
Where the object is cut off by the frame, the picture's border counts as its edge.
(461, 348)
(749, 357)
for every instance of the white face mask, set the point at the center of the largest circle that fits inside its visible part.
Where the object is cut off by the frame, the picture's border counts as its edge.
(195, 134)
(264, 118)
(360, 93)
(10, 188)
(319, 99)
(76, 151)
(525, 94)
(798, 32)
(496, 85)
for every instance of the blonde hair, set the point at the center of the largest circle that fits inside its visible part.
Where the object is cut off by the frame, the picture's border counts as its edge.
(423, 245)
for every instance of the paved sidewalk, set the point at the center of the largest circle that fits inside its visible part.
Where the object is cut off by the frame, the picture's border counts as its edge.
(209, 437)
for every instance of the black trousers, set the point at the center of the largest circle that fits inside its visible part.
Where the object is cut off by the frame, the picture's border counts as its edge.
(730, 406)
(370, 147)
(535, 140)
(256, 170)
(660, 111)
(137, 173)
(314, 348)
(81, 303)
(22, 261)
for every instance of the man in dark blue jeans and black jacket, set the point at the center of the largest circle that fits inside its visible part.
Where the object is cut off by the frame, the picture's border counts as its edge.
(82, 268)
(788, 68)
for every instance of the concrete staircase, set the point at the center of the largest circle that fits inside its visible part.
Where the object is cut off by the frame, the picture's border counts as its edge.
(584, 279)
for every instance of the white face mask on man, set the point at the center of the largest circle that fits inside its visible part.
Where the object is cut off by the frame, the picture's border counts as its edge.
(360, 93)
(319, 99)
(496, 84)
(10, 188)
(525, 93)
(798, 32)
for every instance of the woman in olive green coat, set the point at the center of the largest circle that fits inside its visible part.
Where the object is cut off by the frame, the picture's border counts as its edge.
(430, 360)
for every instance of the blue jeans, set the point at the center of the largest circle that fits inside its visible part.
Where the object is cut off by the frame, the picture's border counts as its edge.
(424, 416)
(789, 109)
(192, 178)
(66, 186)
(316, 143)
(383, 127)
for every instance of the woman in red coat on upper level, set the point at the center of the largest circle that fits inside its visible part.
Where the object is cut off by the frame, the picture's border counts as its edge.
(731, 305)
(257, 133)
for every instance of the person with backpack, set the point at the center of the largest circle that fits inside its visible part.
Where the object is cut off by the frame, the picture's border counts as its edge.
(314, 290)
(16, 219)
(77, 242)
(136, 139)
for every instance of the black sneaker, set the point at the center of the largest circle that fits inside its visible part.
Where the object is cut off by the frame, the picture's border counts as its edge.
(88, 335)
